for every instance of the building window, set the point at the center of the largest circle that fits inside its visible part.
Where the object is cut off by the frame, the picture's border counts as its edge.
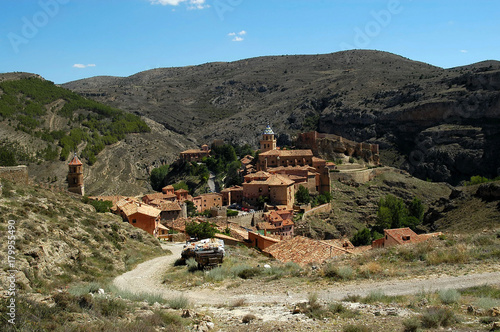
(406, 238)
(134, 221)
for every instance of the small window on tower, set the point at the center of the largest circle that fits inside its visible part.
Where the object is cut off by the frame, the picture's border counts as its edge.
(74, 180)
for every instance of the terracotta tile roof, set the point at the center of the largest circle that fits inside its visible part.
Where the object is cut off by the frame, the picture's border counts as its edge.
(246, 160)
(225, 237)
(288, 222)
(129, 208)
(165, 205)
(288, 153)
(169, 187)
(316, 159)
(302, 250)
(153, 196)
(279, 180)
(234, 188)
(75, 161)
(342, 243)
(148, 210)
(259, 174)
(181, 191)
(178, 224)
(163, 227)
(192, 151)
(403, 235)
(266, 226)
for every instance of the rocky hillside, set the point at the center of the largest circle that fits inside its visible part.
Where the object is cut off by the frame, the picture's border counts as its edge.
(60, 241)
(467, 209)
(42, 124)
(437, 123)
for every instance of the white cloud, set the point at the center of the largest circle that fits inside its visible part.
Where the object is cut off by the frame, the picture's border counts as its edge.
(82, 66)
(197, 4)
(192, 4)
(237, 35)
(463, 51)
(166, 2)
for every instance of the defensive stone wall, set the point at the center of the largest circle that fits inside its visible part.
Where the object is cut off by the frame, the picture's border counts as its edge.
(246, 220)
(18, 174)
(328, 145)
(319, 209)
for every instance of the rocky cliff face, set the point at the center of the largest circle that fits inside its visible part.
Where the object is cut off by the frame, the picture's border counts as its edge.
(368, 96)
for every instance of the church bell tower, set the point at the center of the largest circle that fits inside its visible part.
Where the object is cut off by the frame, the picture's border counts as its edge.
(268, 141)
(75, 176)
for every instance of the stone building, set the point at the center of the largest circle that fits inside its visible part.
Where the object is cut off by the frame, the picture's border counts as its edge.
(285, 161)
(276, 189)
(195, 154)
(75, 176)
(207, 201)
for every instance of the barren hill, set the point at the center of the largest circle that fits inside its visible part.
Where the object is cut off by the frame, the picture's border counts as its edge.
(437, 123)
(41, 124)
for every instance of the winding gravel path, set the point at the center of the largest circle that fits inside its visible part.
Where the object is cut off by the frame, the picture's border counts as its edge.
(147, 278)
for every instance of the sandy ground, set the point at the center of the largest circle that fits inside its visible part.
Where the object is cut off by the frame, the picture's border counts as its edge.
(274, 305)
(147, 278)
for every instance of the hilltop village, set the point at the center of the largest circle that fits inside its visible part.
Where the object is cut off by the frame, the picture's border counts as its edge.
(265, 201)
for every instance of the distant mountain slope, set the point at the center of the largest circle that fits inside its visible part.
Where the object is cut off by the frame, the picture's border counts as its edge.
(42, 124)
(437, 123)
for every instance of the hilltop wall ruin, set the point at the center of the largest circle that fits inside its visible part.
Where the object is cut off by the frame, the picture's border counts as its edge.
(18, 174)
(328, 145)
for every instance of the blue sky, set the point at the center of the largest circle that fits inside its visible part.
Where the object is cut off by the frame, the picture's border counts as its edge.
(65, 40)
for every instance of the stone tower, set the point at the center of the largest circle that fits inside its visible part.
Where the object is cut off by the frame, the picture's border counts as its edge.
(75, 176)
(268, 141)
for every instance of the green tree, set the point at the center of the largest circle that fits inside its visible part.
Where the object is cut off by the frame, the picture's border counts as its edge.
(324, 198)
(203, 230)
(101, 206)
(416, 209)
(362, 237)
(157, 177)
(394, 213)
(191, 208)
(261, 201)
(302, 195)
(7, 157)
(180, 185)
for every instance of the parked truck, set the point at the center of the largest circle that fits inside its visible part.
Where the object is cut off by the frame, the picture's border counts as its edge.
(208, 253)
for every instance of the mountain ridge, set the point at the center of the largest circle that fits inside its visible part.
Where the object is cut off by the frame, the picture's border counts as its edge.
(362, 95)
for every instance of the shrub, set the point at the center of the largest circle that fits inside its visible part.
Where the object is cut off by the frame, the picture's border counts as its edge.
(217, 274)
(179, 302)
(411, 324)
(338, 273)
(192, 264)
(248, 318)
(356, 328)
(374, 296)
(362, 237)
(248, 273)
(110, 307)
(435, 317)
(449, 296)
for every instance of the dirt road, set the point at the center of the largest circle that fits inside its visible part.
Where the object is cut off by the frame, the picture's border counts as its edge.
(147, 278)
